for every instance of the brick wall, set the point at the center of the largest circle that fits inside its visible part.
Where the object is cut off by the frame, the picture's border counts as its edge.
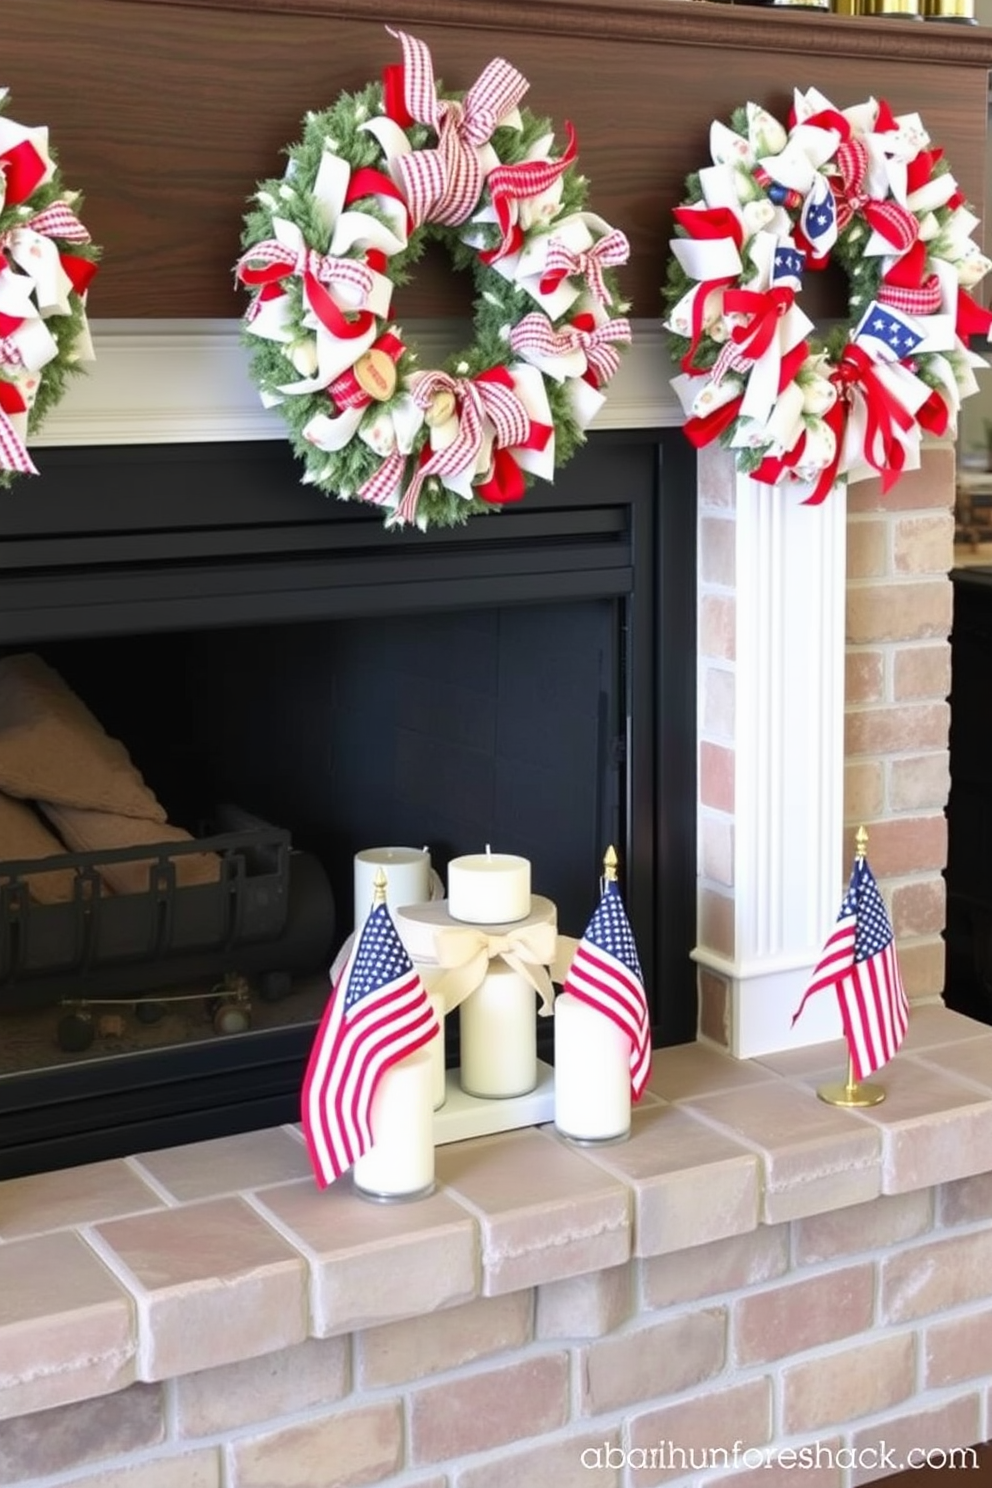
(868, 1325)
(899, 599)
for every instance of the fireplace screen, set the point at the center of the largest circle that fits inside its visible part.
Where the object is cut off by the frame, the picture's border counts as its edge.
(206, 784)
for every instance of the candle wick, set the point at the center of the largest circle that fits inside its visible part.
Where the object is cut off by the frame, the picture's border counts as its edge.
(489, 851)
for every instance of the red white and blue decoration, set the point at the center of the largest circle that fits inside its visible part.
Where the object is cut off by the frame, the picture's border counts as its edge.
(866, 189)
(859, 963)
(47, 262)
(605, 973)
(377, 1014)
(375, 177)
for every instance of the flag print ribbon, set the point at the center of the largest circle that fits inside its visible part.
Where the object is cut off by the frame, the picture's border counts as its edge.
(13, 454)
(894, 222)
(510, 184)
(536, 340)
(443, 185)
(487, 397)
(562, 262)
(268, 263)
(466, 953)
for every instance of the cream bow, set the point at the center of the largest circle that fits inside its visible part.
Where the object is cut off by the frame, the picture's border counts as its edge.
(466, 953)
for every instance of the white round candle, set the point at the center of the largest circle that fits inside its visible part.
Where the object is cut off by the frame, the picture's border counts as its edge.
(489, 888)
(408, 877)
(400, 1163)
(436, 1045)
(592, 1072)
(499, 1035)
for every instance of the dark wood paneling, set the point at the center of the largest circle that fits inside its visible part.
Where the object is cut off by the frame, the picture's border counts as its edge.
(166, 114)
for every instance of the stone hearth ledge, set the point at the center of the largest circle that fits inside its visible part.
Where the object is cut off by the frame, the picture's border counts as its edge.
(171, 1262)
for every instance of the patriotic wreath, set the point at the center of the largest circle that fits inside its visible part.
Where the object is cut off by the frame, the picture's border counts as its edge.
(376, 176)
(859, 187)
(47, 262)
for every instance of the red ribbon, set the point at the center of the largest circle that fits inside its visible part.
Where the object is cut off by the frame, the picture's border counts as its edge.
(13, 455)
(367, 181)
(24, 170)
(268, 263)
(706, 225)
(895, 223)
(346, 391)
(443, 185)
(509, 184)
(765, 308)
(535, 333)
(907, 287)
(857, 373)
(561, 262)
(703, 430)
(972, 318)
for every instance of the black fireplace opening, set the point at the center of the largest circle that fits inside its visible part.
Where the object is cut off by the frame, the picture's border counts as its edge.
(277, 664)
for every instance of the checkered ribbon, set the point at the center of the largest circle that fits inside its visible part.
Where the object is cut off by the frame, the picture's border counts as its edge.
(489, 397)
(510, 184)
(907, 287)
(443, 185)
(13, 455)
(58, 221)
(609, 252)
(895, 223)
(536, 338)
(271, 261)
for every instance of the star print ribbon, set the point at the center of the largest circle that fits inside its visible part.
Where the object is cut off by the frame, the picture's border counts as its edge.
(562, 262)
(443, 185)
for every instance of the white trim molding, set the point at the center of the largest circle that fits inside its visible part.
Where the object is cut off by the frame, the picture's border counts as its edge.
(187, 382)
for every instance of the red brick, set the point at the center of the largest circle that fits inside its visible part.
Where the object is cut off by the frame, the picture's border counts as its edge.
(802, 1315)
(921, 782)
(716, 776)
(930, 486)
(861, 1227)
(717, 627)
(585, 1306)
(838, 1387)
(701, 1426)
(922, 671)
(716, 922)
(717, 550)
(953, 1423)
(936, 1276)
(864, 789)
(910, 610)
(867, 547)
(656, 1360)
(364, 1445)
(923, 967)
(714, 1008)
(958, 1349)
(720, 1266)
(966, 1200)
(408, 1350)
(902, 845)
(593, 1459)
(919, 908)
(909, 727)
(489, 1408)
(924, 544)
(864, 675)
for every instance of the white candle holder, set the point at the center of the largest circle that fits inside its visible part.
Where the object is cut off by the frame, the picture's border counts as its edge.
(400, 1163)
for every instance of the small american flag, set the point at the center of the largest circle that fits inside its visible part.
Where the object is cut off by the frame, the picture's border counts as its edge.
(606, 973)
(859, 962)
(377, 1014)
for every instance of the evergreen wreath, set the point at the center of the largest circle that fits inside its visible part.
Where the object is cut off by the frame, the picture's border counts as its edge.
(375, 177)
(47, 262)
(858, 187)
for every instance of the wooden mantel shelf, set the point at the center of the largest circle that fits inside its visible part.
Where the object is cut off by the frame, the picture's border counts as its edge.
(167, 113)
(658, 22)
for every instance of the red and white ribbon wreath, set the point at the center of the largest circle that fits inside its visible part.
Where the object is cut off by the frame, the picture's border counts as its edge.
(609, 252)
(443, 185)
(270, 262)
(536, 340)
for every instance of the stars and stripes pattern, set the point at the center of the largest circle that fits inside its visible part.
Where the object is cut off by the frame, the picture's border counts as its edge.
(859, 962)
(606, 974)
(882, 330)
(377, 1014)
(787, 266)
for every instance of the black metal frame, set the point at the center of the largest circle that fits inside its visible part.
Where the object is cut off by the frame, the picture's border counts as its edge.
(188, 537)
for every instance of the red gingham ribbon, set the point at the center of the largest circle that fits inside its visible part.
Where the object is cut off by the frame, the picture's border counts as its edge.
(58, 221)
(896, 223)
(488, 396)
(380, 486)
(444, 185)
(609, 252)
(908, 287)
(270, 261)
(13, 455)
(536, 333)
(509, 184)
(346, 392)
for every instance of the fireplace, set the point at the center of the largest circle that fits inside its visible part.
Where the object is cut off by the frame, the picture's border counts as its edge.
(527, 680)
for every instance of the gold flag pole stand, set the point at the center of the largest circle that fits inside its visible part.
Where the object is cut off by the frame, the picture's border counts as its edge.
(853, 1093)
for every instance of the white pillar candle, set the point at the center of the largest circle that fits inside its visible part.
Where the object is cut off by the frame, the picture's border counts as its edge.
(489, 888)
(592, 1073)
(400, 1163)
(408, 878)
(499, 1035)
(436, 1045)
